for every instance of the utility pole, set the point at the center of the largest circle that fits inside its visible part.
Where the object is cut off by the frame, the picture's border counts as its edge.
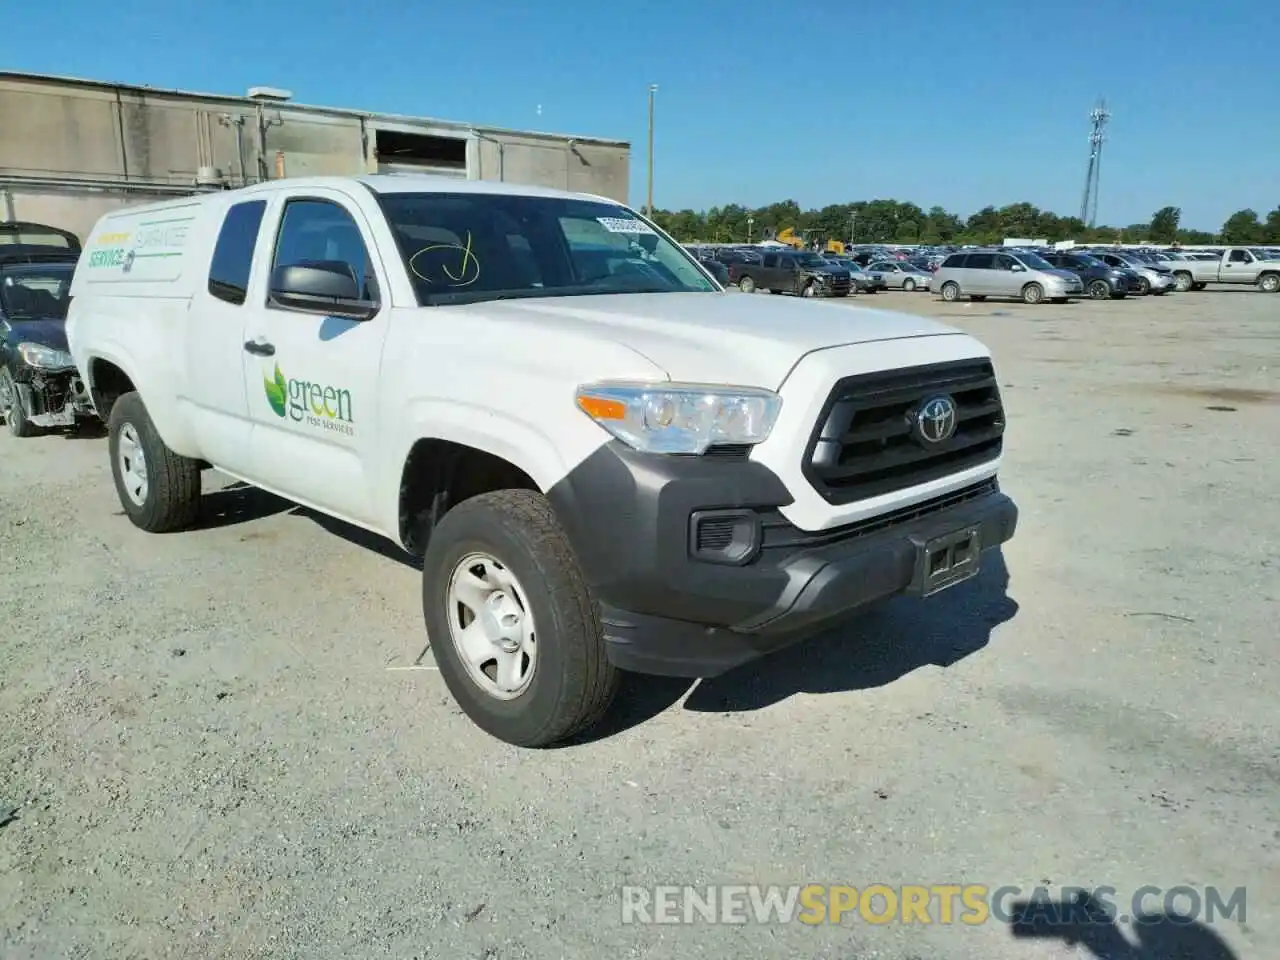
(853, 226)
(653, 88)
(750, 223)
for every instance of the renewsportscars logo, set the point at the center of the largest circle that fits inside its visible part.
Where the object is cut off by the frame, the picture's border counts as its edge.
(316, 404)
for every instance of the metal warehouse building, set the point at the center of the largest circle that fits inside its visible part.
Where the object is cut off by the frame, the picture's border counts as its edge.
(72, 149)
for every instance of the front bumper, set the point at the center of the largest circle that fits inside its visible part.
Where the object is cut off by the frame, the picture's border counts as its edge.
(697, 572)
(52, 398)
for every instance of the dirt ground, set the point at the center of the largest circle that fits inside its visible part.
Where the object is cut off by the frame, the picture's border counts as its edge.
(212, 747)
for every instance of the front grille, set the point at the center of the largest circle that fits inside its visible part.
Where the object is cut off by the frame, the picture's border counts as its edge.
(865, 443)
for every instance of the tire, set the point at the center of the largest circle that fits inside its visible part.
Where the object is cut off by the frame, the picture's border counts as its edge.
(1099, 290)
(775, 292)
(909, 285)
(1144, 286)
(1269, 283)
(1033, 293)
(808, 290)
(569, 683)
(746, 285)
(11, 406)
(169, 497)
(979, 298)
(1182, 281)
(1199, 286)
(950, 291)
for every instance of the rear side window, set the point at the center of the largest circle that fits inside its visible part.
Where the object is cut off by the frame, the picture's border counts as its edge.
(981, 261)
(956, 260)
(233, 256)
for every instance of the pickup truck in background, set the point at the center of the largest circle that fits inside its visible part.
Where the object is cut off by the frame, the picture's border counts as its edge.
(802, 274)
(1238, 266)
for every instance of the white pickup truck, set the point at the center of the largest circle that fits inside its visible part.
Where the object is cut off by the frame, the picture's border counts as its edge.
(605, 460)
(1239, 266)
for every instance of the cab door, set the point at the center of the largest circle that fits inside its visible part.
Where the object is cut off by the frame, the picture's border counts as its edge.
(1239, 266)
(311, 379)
(213, 388)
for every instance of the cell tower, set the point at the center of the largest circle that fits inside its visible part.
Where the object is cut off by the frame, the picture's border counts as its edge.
(1089, 207)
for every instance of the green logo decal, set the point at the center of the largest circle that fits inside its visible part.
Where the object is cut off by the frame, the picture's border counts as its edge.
(316, 404)
(277, 391)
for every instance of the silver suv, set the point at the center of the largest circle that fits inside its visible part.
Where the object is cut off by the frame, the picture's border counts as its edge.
(1014, 274)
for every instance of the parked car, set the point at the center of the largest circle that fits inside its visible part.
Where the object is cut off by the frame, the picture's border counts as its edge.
(863, 282)
(796, 272)
(1152, 279)
(627, 470)
(39, 384)
(1238, 266)
(1101, 281)
(901, 275)
(997, 273)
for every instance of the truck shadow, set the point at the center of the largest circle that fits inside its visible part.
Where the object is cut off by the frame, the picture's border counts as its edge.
(871, 651)
(1084, 922)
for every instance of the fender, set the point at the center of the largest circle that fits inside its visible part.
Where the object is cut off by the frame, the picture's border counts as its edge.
(160, 398)
(502, 434)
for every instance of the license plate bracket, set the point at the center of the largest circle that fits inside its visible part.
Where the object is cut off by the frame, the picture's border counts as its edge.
(944, 561)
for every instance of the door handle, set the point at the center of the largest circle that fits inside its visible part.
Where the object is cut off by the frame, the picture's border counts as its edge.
(260, 348)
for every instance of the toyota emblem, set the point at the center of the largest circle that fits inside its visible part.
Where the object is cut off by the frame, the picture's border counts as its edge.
(936, 419)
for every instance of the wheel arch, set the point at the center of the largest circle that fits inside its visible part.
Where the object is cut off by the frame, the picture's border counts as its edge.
(110, 374)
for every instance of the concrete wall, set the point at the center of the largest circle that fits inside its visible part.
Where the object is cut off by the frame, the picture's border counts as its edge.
(64, 146)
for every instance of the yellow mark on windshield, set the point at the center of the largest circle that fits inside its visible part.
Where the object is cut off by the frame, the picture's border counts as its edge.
(470, 264)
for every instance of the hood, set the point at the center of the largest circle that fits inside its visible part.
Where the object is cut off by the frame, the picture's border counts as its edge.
(1064, 273)
(48, 333)
(729, 338)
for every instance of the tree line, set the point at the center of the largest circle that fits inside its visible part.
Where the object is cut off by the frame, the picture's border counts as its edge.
(894, 221)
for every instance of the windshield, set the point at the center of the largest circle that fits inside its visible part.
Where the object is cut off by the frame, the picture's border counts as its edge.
(810, 260)
(36, 291)
(1088, 261)
(1034, 261)
(469, 247)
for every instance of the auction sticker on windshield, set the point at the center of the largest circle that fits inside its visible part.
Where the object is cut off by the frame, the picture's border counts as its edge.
(624, 225)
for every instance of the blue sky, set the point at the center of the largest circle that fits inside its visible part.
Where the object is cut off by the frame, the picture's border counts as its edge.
(956, 103)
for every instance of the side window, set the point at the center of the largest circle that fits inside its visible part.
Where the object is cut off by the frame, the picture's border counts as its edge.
(956, 261)
(1005, 262)
(233, 254)
(981, 261)
(320, 230)
(1240, 256)
(770, 260)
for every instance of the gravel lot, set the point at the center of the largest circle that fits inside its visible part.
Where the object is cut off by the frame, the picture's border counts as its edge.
(214, 749)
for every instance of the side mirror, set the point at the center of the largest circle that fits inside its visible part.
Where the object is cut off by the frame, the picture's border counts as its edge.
(1018, 268)
(326, 287)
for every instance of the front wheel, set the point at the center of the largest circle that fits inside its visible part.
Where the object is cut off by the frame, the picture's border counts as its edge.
(1032, 293)
(807, 290)
(908, 285)
(516, 634)
(1099, 290)
(15, 415)
(950, 292)
(159, 490)
(1144, 286)
(747, 285)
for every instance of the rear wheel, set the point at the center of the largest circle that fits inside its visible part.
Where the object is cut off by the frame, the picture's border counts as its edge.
(15, 415)
(1099, 290)
(950, 291)
(1182, 281)
(1144, 286)
(909, 285)
(514, 628)
(808, 290)
(1032, 293)
(159, 490)
(978, 298)
(1270, 282)
(747, 285)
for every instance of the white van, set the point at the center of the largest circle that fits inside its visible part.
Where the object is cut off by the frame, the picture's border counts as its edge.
(605, 460)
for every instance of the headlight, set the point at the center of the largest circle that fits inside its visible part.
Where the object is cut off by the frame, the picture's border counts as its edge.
(41, 356)
(680, 417)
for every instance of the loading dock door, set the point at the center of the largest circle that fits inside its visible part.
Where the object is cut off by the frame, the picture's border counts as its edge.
(400, 152)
